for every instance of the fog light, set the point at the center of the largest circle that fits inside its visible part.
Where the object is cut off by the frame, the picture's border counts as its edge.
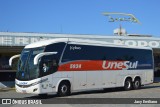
(35, 89)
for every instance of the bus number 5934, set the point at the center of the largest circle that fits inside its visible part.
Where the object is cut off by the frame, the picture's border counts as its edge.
(75, 66)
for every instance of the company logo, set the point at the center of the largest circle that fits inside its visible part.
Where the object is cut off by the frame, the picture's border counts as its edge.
(119, 65)
(75, 48)
(6, 101)
(23, 83)
(20, 101)
(22, 74)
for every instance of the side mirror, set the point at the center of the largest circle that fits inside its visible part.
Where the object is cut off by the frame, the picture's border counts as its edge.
(13, 57)
(36, 58)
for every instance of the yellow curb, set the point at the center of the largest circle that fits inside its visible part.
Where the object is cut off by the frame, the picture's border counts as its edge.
(6, 89)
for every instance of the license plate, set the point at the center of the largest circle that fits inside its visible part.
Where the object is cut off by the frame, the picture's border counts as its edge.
(24, 91)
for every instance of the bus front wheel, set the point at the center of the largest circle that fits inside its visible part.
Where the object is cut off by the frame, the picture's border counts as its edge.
(64, 89)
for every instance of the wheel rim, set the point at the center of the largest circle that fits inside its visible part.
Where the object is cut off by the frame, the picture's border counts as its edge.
(64, 89)
(128, 85)
(136, 84)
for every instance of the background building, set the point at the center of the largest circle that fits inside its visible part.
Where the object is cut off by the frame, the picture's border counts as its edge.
(12, 43)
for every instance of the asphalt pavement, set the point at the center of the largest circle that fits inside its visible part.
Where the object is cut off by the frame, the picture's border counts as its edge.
(150, 92)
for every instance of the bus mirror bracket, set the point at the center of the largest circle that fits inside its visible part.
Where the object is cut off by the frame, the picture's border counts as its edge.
(36, 58)
(13, 57)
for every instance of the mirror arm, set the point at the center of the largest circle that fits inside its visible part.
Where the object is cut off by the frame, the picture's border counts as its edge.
(13, 57)
(42, 54)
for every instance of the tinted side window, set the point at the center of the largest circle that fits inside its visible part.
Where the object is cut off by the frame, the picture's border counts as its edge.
(57, 47)
(78, 52)
(49, 64)
(86, 52)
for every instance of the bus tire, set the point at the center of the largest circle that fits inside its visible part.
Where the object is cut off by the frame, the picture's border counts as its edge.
(128, 84)
(64, 89)
(137, 84)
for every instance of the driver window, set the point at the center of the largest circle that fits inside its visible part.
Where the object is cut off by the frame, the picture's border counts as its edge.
(48, 65)
(45, 68)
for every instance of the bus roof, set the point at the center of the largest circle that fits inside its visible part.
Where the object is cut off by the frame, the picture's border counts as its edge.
(79, 41)
(46, 42)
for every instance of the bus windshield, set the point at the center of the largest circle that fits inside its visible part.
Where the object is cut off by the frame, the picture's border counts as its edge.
(26, 68)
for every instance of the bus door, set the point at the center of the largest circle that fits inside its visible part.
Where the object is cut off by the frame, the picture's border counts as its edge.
(47, 67)
(149, 76)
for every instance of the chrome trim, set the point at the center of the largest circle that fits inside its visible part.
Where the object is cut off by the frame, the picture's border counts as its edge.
(35, 83)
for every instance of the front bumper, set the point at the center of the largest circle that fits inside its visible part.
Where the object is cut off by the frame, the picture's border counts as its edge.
(31, 90)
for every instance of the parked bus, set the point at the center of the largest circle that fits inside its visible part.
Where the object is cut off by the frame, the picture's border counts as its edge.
(69, 65)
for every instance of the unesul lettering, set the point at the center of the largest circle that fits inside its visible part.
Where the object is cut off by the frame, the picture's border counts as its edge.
(120, 65)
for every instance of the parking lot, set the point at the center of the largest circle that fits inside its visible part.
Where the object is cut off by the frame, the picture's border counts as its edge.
(149, 91)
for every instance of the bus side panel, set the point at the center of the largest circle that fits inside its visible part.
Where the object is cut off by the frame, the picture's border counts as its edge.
(122, 62)
(79, 80)
(122, 74)
(109, 78)
(94, 79)
(148, 76)
(46, 87)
